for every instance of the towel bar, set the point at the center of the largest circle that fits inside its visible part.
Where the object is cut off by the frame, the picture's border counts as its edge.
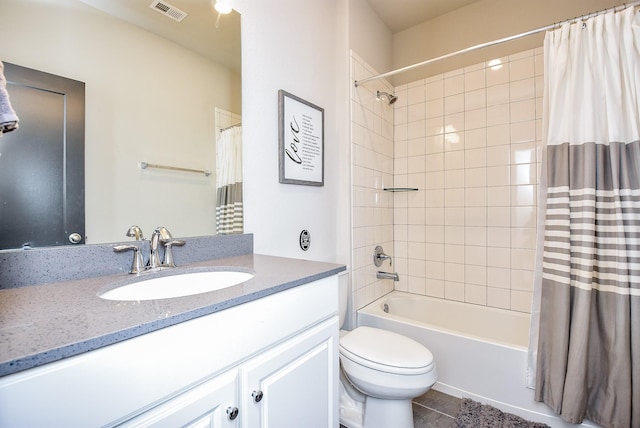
(145, 165)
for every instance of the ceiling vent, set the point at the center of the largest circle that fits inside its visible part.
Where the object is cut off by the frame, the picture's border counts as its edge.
(167, 10)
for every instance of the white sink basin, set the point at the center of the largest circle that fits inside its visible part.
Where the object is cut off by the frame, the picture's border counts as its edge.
(181, 285)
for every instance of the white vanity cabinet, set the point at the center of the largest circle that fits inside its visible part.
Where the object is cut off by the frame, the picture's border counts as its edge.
(293, 385)
(210, 405)
(206, 372)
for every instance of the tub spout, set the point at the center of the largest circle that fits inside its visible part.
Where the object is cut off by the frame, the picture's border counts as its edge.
(388, 275)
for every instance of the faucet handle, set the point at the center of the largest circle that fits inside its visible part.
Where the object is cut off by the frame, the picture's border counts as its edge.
(379, 256)
(168, 251)
(135, 232)
(137, 265)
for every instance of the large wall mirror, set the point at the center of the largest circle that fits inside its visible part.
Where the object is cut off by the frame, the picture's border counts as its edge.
(156, 91)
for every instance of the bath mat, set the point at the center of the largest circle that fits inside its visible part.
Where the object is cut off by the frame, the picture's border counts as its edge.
(476, 415)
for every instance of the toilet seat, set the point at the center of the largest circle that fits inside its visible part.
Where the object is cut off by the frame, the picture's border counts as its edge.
(386, 351)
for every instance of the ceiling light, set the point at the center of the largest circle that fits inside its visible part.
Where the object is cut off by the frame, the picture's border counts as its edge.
(223, 6)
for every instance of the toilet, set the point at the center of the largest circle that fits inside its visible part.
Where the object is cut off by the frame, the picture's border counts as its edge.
(380, 373)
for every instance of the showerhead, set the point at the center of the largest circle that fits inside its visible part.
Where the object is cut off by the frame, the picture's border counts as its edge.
(389, 98)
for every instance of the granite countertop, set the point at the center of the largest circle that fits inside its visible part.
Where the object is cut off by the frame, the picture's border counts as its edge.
(40, 324)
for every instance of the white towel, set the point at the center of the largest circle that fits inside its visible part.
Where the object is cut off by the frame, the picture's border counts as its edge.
(8, 117)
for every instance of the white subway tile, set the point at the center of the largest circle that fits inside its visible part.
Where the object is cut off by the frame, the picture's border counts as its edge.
(524, 174)
(435, 253)
(475, 197)
(475, 294)
(523, 195)
(434, 270)
(434, 288)
(523, 110)
(435, 144)
(521, 301)
(499, 277)
(435, 90)
(453, 85)
(521, 90)
(454, 104)
(454, 272)
(475, 216)
(474, 80)
(523, 238)
(498, 114)
(522, 68)
(498, 175)
(499, 257)
(454, 160)
(499, 216)
(498, 196)
(416, 95)
(498, 94)
(475, 119)
(454, 178)
(475, 177)
(454, 291)
(498, 298)
(475, 138)
(498, 155)
(497, 71)
(475, 99)
(454, 216)
(434, 108)
(435, 234)
(475, 254)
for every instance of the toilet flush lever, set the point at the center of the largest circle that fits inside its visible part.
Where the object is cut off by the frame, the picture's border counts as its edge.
(379, 256)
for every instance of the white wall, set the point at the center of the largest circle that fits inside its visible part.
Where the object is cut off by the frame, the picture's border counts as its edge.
(481, 22)
(294, 46)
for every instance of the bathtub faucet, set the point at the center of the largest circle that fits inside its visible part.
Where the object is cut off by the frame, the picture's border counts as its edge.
(379, 256)
(388, 275)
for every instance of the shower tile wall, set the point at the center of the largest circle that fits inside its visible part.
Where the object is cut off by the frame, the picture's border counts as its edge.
(372, 171)
(470, 141)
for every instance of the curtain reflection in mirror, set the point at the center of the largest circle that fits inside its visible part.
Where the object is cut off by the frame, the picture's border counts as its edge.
(229, 210)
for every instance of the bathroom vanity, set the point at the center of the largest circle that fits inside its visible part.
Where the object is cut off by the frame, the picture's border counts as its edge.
(261, 353)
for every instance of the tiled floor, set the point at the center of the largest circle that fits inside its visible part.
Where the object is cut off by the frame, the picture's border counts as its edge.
(434, 410)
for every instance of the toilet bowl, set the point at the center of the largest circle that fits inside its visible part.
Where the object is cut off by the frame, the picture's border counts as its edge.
(382, 372)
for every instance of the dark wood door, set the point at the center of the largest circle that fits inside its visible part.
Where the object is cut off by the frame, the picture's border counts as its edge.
(42, 162)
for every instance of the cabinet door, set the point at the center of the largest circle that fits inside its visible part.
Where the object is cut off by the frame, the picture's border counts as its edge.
(295, 383)
(212, 404)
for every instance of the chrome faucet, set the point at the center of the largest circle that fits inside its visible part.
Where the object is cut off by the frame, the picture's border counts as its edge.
(387, 275)
(160, 237)
(158, 234)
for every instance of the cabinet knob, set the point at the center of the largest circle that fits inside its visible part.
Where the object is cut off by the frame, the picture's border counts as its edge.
(257, 396)
(232, 413)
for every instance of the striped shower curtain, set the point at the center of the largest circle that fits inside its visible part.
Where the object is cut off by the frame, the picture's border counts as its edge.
(588, 362)
(229, 215)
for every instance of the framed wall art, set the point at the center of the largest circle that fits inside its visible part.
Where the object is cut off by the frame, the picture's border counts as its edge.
(301, 141)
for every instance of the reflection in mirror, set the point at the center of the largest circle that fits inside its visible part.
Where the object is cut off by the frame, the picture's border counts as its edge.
(148, 98)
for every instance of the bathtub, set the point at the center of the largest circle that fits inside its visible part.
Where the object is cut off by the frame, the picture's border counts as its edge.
(480, 352)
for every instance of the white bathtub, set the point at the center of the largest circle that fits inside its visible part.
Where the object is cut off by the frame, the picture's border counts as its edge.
(480, 352)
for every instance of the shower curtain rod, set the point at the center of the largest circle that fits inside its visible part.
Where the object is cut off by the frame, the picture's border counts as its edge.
(492, 43)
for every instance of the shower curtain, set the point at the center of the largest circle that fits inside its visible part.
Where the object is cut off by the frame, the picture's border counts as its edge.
(229, 216)
(588, 362)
